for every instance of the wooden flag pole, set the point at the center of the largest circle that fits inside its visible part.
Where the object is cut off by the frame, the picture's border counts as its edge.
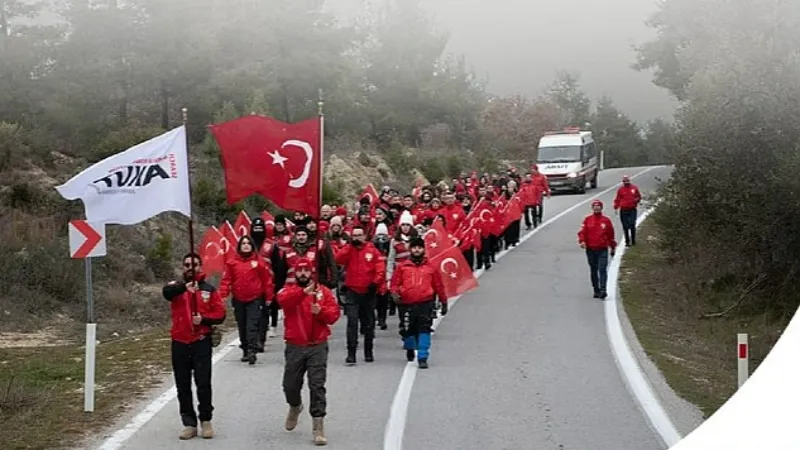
(185, 117)
(320, 104)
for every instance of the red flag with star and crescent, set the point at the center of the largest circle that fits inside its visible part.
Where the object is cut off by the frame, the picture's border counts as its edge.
(457, 276)
(242, 224)
(277, 160)
(212, 251)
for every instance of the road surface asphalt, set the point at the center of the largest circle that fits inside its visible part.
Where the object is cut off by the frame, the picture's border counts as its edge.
(522, 362)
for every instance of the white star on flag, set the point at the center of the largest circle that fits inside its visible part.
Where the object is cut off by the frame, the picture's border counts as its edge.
(277, 158)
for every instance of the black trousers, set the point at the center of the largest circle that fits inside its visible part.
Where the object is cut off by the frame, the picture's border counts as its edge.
(469, 255)
(359, 310)
(531, 219)
(540, 210)
(313, 361)
(269, 318)
(248, 320)
(382, 307)
(416, 322)
(193, 360)
(598, 268)
(511, 236)
(628, 219)
(486, 255)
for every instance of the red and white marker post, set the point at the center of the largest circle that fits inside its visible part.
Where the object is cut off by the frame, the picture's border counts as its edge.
(743, 353)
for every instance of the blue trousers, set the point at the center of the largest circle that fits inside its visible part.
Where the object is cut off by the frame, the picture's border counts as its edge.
(598, 268)
(415, 327)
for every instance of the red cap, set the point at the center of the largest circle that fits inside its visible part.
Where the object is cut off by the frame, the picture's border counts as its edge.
(341, 211)
(626, 178)
(597, 203)
(303, 263)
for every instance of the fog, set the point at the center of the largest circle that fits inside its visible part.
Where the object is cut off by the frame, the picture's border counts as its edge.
(519, 45)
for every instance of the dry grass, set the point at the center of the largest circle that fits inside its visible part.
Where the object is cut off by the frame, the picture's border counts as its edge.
(697, 356)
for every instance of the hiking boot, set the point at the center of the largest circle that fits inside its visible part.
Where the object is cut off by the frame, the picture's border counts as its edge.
(318, 429)
(596, 294)
(188, 433)
(383, 326)
(245, 356)
(252, 359)
(293, 416)
(603, 295)
(410, 355)
(208, 430)
(368, 357)
(423, 363)
(351, 357)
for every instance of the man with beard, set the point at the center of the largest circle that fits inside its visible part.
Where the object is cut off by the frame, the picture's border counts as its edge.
(365, 271)
(415, 285)
(304, 247)
(196, 306)
(274, 258)
(309, 311)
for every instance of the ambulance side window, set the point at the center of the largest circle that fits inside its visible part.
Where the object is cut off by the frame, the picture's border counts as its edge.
(589, 152)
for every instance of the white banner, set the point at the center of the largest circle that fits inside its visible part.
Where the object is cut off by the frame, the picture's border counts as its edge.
(137, 184)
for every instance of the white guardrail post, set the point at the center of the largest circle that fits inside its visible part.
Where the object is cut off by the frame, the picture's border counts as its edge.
(743, 351)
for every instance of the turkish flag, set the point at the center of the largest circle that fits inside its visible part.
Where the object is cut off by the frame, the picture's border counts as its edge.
(457, 276)
(436, 240)
(278, 160)
(372, 193)
(269, 224)
(212, 251)
(242, 224)
(227, 231)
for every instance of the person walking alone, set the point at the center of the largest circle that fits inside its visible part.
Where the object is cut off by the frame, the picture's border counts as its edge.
(627, 200)
(596, 236)
(249, 279)
(309, 310)
(196, 306)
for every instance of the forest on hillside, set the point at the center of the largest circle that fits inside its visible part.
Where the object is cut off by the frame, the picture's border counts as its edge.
(109, 74)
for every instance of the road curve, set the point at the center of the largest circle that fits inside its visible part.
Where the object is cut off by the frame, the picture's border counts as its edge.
(522, 362)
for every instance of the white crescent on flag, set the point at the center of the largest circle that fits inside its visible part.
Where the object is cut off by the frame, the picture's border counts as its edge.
(444, 269)
(301, 181)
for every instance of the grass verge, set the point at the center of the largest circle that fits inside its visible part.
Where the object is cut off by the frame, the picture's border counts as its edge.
(41, 388)
(696, 356)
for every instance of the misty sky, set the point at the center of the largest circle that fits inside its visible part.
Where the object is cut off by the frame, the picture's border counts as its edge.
(520, 44)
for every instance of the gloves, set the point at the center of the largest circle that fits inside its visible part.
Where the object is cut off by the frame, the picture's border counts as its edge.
(444, 308)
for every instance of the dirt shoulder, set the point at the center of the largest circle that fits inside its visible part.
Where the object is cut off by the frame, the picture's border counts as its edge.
(41, 387)
(696, 356)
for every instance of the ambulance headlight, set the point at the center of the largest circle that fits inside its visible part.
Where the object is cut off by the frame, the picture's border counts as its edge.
(572, 175)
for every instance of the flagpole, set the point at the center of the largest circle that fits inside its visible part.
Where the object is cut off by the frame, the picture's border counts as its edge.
(185, 117)
(320, 104)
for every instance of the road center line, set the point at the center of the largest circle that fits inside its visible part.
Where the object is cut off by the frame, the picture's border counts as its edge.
(395, 426)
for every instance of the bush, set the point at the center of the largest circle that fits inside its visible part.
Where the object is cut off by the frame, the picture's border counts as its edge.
(159, 258)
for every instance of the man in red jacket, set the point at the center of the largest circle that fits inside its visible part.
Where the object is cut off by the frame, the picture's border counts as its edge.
(365, 270)
(309, 310)
(196, 307)
(626, 202)
(596, 236)
(415, 286)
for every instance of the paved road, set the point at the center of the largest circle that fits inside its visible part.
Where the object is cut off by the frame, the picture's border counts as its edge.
(523, 362)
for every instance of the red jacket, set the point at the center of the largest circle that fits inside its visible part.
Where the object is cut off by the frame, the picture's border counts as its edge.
(454, 215)
(247, 279)
(597, 232)
(301, 327)
(628, 197)
(209, 305)
(363, 267)
(417, 283)
(541, 183)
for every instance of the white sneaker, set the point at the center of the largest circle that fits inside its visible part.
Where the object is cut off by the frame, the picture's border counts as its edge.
(271, 333)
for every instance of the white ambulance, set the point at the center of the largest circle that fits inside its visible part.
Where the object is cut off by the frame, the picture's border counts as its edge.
(569, 159)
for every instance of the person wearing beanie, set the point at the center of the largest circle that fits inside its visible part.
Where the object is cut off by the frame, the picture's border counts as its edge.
(596, 237)
(283, 237)
(310, 310)
(399, 250)
(382, 241)
(415, 286)
(322, 257)
(365, 272)
(249, 280)
(274, 258)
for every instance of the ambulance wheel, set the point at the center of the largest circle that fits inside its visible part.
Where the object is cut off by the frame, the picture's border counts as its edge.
(582, 186)
(594, 180)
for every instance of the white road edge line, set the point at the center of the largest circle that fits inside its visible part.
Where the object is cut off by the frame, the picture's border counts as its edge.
(116, 440)
(629, 367)
(395, 427)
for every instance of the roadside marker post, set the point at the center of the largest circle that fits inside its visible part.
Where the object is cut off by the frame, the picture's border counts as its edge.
(743, 351)
(86, 241)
